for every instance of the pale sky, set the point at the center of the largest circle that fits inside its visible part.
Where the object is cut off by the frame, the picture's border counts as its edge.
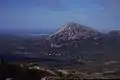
(51, 14)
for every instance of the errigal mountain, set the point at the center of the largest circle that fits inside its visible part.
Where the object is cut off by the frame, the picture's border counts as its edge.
(72, 31)
(72, 39)
(77, 38)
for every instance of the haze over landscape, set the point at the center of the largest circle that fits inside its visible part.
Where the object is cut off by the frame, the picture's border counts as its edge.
(59, 39)
(33, 16)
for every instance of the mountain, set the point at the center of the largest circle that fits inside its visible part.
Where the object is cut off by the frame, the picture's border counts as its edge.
(75, 31)
(72, 31)
(114, 33)
(112, 41)
(74, 38)
(113, 36)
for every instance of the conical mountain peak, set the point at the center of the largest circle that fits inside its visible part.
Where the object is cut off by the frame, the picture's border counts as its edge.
(72, 30)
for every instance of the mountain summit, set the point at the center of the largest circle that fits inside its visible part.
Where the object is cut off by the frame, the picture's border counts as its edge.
(72, 31)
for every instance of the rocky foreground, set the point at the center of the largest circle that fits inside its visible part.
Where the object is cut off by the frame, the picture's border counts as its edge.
(30, 71)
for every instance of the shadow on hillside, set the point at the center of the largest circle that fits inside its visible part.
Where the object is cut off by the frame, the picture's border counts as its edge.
(16, 72)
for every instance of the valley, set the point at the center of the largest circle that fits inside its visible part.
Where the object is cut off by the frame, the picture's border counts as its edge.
(73, 52)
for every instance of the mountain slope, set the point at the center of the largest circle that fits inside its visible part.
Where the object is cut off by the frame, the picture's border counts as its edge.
(75, 38)
(112, 41)
(73, 31)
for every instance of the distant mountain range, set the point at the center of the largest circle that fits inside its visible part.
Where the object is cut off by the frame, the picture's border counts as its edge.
(71, 39)
(83, 38)
(75, 31)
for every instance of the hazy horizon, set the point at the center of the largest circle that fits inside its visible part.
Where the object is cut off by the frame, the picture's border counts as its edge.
(38, 15)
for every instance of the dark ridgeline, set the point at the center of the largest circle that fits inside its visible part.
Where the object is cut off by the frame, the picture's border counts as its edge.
(16, 72)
